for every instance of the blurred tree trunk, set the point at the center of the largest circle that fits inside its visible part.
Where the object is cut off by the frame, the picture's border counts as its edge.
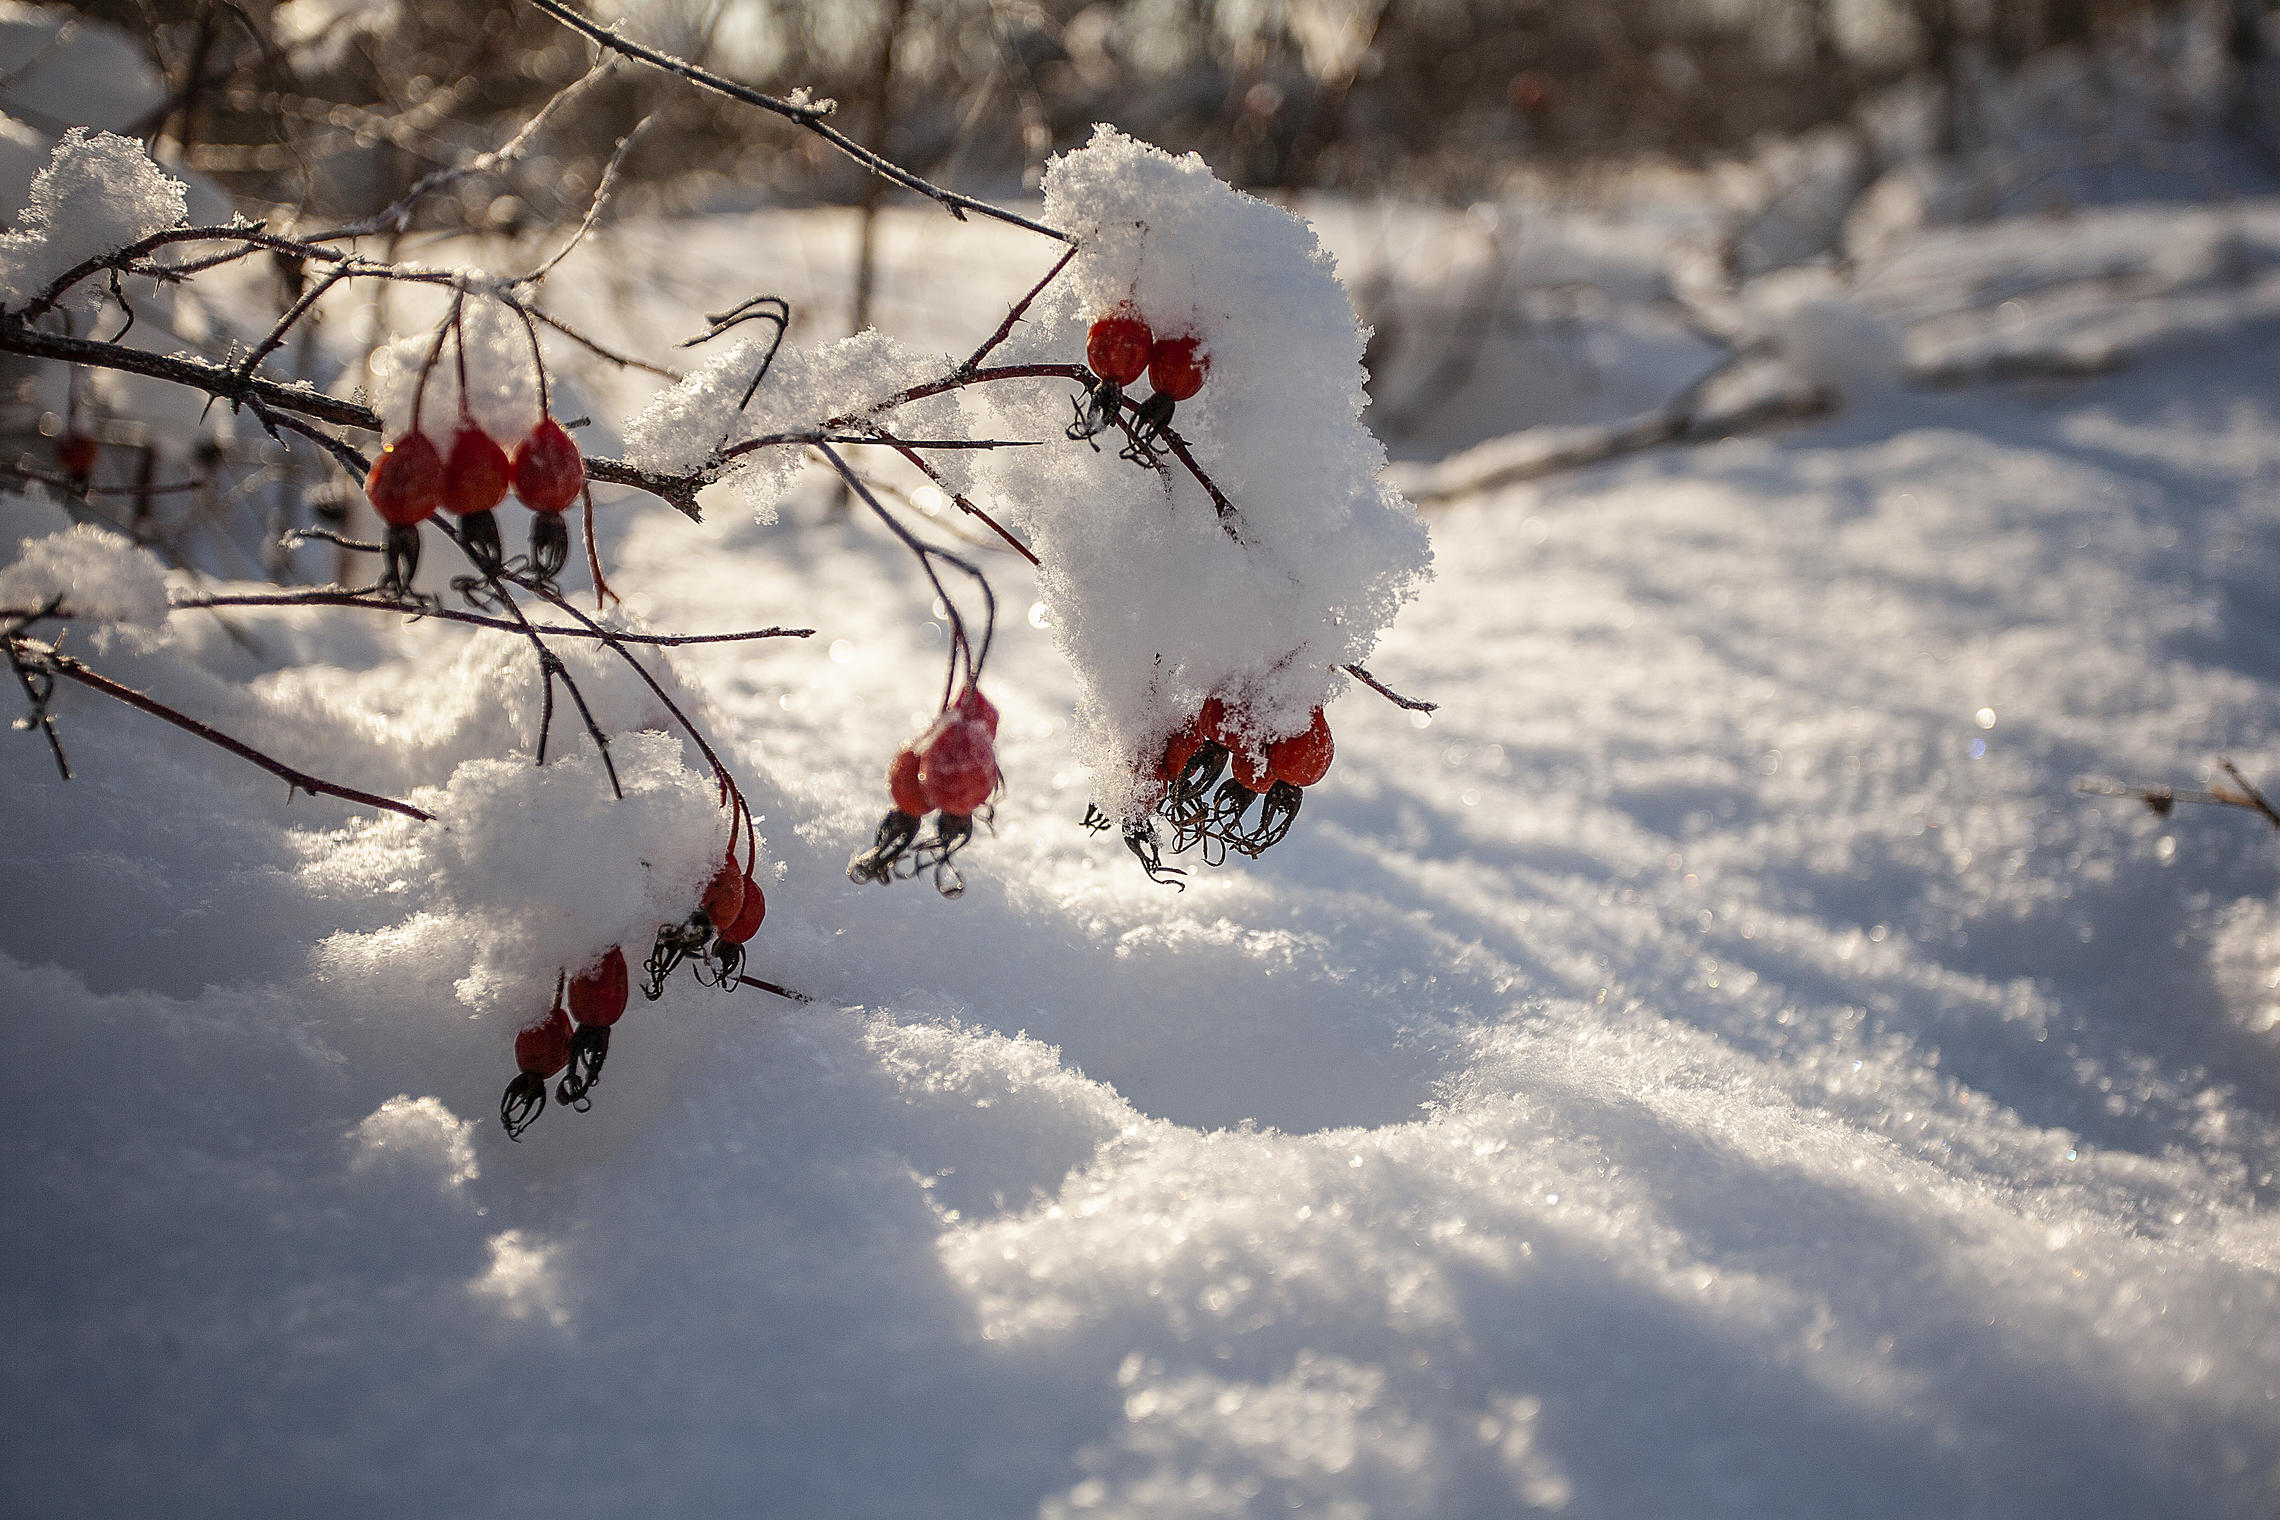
(881, 119)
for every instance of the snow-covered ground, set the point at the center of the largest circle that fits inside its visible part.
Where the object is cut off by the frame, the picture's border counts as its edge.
(1718, 1066)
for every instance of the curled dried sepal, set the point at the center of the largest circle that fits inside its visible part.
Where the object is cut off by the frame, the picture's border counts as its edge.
(549, 548)
(522, 1103)
(897, 832)
(589, 1048)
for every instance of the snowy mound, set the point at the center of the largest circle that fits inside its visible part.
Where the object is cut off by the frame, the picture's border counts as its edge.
(99, 192)
(1157, 599)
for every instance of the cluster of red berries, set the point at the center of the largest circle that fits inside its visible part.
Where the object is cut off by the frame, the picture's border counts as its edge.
(1119, 349)
(411, 479)
(573, 1038)
(1204, 810)
(951, 771)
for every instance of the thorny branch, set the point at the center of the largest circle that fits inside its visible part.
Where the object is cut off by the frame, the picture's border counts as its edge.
(33, 660)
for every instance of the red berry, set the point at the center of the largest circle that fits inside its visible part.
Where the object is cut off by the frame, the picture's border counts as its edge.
(1178, 750)
(406, 483)
(959, 767)
(903, 785)
(475, 473)
(1249, 770)
(749, 916)
(544, 1048)
(597, 995)
(75, 454)
(1117, 347)
(724, 899)
(1303, 759)
(1215, 725)
(549, 473)
(972, 704)
(1176, 367)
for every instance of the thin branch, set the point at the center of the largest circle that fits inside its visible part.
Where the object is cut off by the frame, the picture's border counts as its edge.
(910, 452)
(372, 603)
(1013, 317)
(594, 207)
(591, 345)
(397, 217)
(1408, 704)
(782, 992)
(810, 118)
(47, 658)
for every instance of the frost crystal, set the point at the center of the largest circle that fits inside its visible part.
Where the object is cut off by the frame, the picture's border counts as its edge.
(93, 574)
(1156, 601)
(99, 193)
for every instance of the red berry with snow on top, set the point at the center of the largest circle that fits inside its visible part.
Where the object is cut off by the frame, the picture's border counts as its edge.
(1303, 758)
(597, 995)
(724, 897)
(1249, 768)
(544, 1048)
(1117, 348)
(1176, 367)
(406, 481)
(475, 473)
(548, 470)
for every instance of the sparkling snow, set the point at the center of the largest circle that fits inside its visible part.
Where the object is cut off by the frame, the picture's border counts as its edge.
(1717, 1066)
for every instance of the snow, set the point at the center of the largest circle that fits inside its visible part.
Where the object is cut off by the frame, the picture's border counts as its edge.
(1156, 601)
(501, 377)
(1717, 1065)
(99, 192)
(88, 573)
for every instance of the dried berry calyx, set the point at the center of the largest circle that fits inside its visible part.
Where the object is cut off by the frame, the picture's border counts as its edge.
(475, 473)
(406, 481)
(1118, 346)
(548, 470)
(597, 995)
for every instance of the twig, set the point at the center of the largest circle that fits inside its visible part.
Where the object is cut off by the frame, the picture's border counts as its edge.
(1407, 704)
(2161, 800)
(448, 614)
(45, 657)
(810, 118)
(594, 207)
(1013, 317)
(782, 992)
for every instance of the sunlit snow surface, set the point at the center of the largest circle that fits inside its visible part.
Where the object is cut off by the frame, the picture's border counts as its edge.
(1718, 1068)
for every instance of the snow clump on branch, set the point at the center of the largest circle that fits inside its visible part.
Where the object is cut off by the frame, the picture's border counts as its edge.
(98, 193)
(1157, 601)
(93, 575)
(685, 426)
(530, 869)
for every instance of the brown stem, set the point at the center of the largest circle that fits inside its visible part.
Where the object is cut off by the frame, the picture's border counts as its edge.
(809, 118)
(1409, 704)
(64, 665)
